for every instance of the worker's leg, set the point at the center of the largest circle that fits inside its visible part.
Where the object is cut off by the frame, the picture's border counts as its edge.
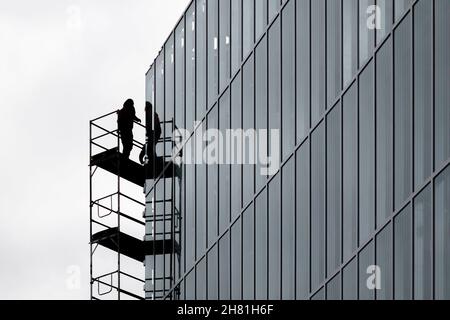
(127, 143)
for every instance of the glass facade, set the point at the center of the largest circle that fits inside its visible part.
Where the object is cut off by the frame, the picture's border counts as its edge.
(360, 207)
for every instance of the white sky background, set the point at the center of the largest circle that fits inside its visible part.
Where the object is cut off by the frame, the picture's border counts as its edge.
(56, 73)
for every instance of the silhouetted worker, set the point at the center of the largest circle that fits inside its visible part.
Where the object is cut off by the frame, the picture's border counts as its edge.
(153, 132)
(125, 121)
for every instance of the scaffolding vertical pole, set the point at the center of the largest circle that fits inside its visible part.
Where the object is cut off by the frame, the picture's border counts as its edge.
(118, 213)
(90, 209)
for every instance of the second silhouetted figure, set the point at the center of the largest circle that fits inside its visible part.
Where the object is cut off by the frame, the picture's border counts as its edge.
(125, 121)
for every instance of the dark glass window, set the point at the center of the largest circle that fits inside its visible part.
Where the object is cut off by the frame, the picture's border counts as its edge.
(318, 69)
(385, 129)
(423, 92)
(334, 50)
(423, 244)
(248, 121)
(224, 43)
(403, 255)
(318, 206)
(349, 281)
(350, 39)
(288, 230)
(288, 79)
(403, 111)
(248, 253)
(236, 35)
(303, 68)
(366, 261)
(303, 222)
(366, 154)
(442, 81)
(213, 274)
(213, 50)
(224, 267)
(350, 173)
(334, 194)
(236, 261)
(385, 262)
(442, 236)
(261, 246)
(274, 238)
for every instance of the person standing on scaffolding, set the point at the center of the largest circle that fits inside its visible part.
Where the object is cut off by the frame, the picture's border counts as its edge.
(153, 133)
(125, 120)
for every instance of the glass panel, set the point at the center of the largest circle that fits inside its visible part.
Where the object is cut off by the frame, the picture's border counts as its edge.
(274, 77)
(350, 174)
(366, 155)
(190, 67)
(334, 187)
(366, 34)
(213, 185)
(385, 263)
(400, 7)
(334, 51)
(248, 254)
(190, 286)
(334, 288)
(224, 267)
(236, 123)
(274, 6)
(350, 39)
(318, 70)
(179, 75)
(261, 246)
(288, 79)
(274, 238)
(349, 281)
(224, 170)
(248, 27)
(261, 105)
(442, 236)
(261, 16)
(203, 56)
(213, 274)
(201, 280)
(423, 245)
(248, 119)
(236, 261)
(403, 111)
(170, 80)
(319, 295)
(442, 81)
(236, 35)
(288, 230)
(423, 91)
(318, 207)
(213, 51)
(303, 222)
(303, 68)
(403, 255)
(205, 214)
(384, 118)
(366, 261)
(224, 43)
(386, 8)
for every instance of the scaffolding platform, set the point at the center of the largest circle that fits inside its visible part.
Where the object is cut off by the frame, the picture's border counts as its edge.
(131, 247)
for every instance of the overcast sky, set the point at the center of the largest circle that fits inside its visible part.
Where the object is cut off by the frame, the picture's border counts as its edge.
(62, 63)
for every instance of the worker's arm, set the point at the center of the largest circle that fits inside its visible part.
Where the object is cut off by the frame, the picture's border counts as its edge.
(137, 119)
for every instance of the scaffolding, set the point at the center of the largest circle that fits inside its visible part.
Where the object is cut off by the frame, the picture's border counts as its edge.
(111, 225)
